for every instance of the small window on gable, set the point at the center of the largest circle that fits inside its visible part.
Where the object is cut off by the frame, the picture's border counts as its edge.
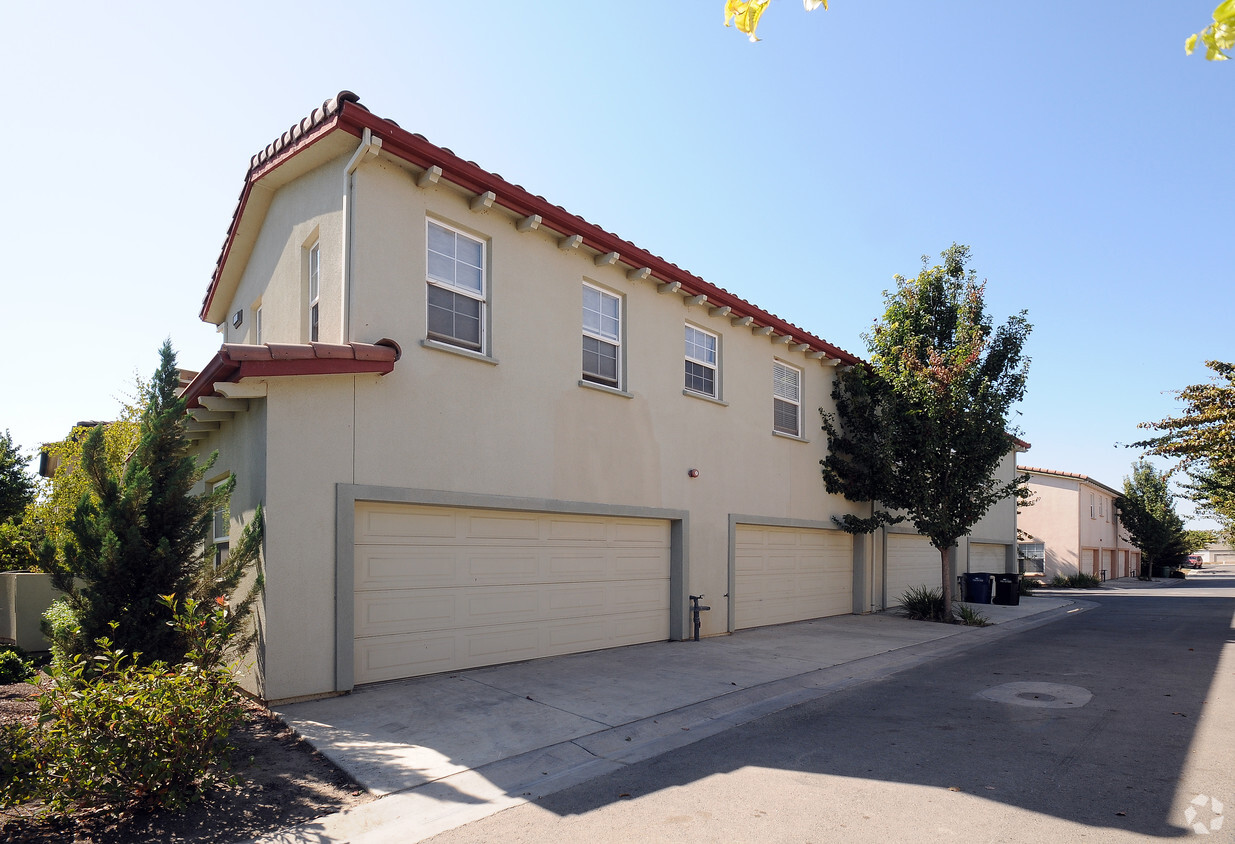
(786, 399)
(315, 285)
(701, 362)
(455, 272)
(602, 337)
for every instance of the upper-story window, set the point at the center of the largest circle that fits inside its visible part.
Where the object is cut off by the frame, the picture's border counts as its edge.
(602, 337)
(701, 361)
(1092, 513)
(315, 289)
(1102, 508)
(787, 399)
(257, 325)
(456, 287)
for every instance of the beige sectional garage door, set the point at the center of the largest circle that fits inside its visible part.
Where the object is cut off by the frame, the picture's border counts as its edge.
(791, 574)
(441, 588)
(987, 557)
(912, 561)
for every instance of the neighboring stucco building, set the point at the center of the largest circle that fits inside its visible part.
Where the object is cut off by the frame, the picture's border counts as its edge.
(1073, 527)
(484, 429)
(1217, 554)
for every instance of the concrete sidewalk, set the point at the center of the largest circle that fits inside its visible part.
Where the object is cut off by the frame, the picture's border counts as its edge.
(449, 749)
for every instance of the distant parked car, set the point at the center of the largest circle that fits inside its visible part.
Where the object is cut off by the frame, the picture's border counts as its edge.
(1194, 561)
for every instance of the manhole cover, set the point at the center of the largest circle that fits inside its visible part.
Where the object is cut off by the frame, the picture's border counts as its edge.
(1046, 695)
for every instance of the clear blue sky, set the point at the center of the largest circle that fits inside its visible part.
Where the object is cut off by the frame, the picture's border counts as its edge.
(1073, 146)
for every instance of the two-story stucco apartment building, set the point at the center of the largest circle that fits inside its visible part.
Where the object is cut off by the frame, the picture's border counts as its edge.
(1074, 528)
(484, 429)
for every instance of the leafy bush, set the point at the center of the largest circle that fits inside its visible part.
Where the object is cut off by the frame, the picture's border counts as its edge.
(1178, 574)
(62, 630)
(114, 734)
(923, 604)
(967, 615)
(1025, 586)
(18, 765)
(13, 668)
(1075, 581)
(19, 545)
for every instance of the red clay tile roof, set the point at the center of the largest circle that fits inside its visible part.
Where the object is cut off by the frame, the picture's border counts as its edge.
(344, 112)
(1072, 475)
(237, 360)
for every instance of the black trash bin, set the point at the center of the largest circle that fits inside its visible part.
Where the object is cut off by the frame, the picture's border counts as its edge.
(978, 587)
(1008, 589)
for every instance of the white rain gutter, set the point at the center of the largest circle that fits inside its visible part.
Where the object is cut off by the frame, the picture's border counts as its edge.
(369, 148)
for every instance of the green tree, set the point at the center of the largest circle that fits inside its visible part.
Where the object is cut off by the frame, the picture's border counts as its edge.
(1195, 540)
(140, 539)
(59, 495)
(1202, 440)
(1219, 36)
(922, 429)
(16, 484)
(1147, 512)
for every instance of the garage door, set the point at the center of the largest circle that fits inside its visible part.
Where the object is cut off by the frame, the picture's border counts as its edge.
(441, 589)
(790, 574)
(984, 556)
(912, 562)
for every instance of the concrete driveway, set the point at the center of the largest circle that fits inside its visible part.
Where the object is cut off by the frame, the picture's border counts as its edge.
(450, 748)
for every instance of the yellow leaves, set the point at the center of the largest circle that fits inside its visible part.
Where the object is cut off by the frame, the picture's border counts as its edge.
(745, 14)
(1219, 36)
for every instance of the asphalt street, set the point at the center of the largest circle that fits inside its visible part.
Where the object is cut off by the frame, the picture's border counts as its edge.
(1116, 723)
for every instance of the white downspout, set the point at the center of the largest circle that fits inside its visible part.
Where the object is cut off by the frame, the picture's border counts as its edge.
(369, 147)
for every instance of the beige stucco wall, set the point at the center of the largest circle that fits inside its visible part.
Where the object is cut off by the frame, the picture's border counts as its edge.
(1061, 519)
(526, 427)
(1053, 519)
(306, 211)
(517, 425)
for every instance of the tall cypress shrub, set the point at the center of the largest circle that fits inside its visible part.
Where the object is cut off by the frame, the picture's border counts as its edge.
(144, 534)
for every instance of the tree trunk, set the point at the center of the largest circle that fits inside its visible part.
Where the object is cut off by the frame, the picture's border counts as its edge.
(947, 584)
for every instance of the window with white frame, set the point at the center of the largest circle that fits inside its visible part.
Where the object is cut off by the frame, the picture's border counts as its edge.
(220, 527)
(701, 361)
(1102, 508)
(315, 289)
(257, 325)
(1092, 514)
(455, 272)
(786, 399)
(602, 337)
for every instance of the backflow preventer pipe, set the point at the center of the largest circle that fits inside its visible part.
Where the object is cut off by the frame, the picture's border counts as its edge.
(695, 609)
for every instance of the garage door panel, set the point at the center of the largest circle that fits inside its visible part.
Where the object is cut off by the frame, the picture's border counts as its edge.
(638, 532)
(911, 562)
(397, 612)
(429, 652)
(987, 556)
(790, 574)
(387, 523)
(502, 527)
(577, 530)
(500, 586)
